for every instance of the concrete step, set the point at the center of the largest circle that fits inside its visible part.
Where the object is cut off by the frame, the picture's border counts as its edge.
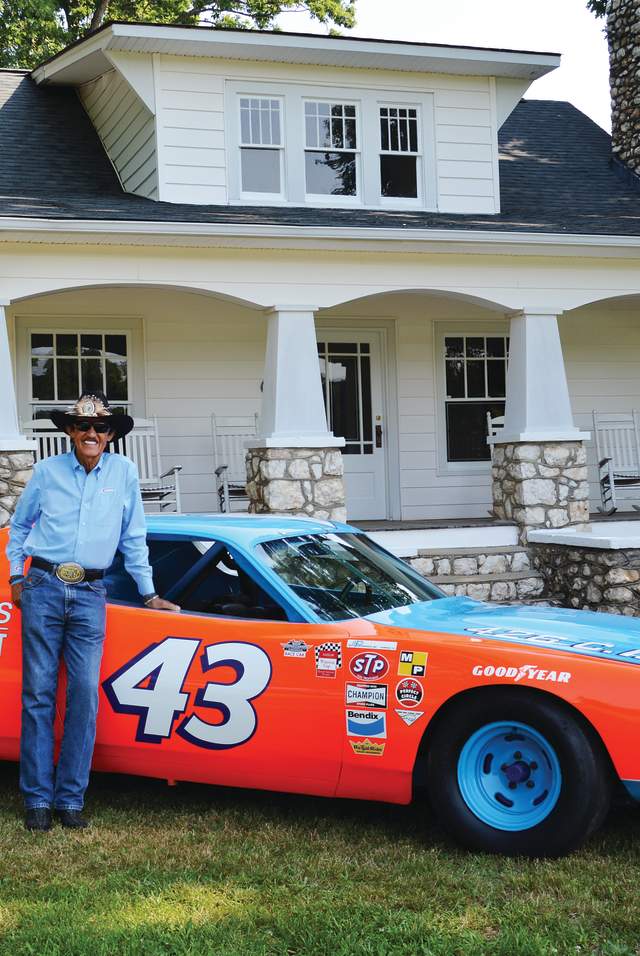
(526, 586)
(500, 560)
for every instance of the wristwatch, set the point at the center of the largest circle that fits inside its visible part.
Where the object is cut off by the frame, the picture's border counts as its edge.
(147, 598)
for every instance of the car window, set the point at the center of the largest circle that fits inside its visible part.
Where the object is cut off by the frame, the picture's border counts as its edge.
(343, 576)
(224, 588)
(170, 561)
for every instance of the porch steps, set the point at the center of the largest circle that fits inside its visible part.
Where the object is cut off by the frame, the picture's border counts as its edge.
(501, 573)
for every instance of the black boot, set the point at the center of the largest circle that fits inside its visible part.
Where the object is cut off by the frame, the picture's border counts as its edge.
(38, 818)
(72, 819)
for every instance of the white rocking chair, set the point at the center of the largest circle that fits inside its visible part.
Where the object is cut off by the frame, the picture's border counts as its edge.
(617, 440)
(229, 452)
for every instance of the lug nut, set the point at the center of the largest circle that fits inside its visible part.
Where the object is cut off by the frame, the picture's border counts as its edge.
(504, 767)
(517, 755)
(512, 785)
(530, 784)
(533, 765)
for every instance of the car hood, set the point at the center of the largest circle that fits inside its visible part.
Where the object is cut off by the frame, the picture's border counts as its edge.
(577, 632)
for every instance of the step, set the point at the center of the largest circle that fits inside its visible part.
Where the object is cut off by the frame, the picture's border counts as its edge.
(471, 562)
(510, 586)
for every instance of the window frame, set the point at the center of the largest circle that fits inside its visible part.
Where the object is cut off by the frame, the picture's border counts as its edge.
(403, 202)
(251, 194)
(354, 200)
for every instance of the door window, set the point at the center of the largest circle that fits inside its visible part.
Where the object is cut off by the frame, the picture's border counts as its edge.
(345, 368)
(475, 384)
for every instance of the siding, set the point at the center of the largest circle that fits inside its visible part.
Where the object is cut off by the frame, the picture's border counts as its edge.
(127, 130)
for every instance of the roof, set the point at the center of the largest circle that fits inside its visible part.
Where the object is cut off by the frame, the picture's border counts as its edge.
(241, 529)
(556, 176)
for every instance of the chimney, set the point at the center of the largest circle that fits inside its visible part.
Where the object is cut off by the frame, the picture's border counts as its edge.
(623, 34)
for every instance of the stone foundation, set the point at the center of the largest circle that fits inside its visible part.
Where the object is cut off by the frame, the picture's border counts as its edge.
(593, 579)
(297, 481)
(540, 485)
(15, 471)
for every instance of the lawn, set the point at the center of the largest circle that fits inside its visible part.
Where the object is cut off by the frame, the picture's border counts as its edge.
(196, 870)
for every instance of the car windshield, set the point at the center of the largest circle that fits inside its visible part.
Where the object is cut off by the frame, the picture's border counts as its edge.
(345, 575)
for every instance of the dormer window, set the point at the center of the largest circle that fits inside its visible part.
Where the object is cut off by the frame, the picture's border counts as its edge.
(261, 145)
(330, 149)
(399, 152)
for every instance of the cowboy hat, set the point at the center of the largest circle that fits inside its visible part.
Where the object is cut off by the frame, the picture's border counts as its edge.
(92, 405)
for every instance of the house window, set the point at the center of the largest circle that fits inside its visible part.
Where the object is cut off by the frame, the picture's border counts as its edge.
(345, 370)
(331, 144)
(475, 377)
(399, 152)
(64, 364)
(261, 145)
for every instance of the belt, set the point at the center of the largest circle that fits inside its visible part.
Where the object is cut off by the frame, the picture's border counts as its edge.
(69, 572)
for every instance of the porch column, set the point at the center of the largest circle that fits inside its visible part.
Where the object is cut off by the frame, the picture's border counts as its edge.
(539, 472)
(294, 465)
(16, 456)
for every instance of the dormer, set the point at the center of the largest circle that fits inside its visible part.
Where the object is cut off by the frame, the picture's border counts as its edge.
(224, 117)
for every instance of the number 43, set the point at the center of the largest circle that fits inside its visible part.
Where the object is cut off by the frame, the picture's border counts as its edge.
(152, 686)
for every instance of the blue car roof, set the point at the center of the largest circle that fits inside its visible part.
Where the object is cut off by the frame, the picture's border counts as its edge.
(242, 529)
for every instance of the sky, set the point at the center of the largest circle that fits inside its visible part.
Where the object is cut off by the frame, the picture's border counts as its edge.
(548, 26)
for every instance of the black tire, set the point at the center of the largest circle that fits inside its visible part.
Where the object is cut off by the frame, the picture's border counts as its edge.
(585, 785)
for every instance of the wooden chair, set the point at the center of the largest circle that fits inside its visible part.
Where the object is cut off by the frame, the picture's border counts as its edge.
(142, 445)
(494, 425)
(229, 436)
(617, 438)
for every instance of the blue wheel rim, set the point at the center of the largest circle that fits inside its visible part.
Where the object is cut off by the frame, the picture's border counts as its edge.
(509, 776)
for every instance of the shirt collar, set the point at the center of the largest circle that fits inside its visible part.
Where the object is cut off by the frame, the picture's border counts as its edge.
(77, 466)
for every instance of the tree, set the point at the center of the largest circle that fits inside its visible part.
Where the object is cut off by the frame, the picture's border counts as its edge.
(33, 30)
(599, 7)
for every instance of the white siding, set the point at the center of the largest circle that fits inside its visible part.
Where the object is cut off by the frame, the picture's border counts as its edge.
(127, 130)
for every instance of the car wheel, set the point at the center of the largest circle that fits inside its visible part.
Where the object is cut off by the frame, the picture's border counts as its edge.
(516, 773)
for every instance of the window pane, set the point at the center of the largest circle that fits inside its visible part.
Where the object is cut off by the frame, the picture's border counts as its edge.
(337, 138)
(350, 134)
(345, 412)
(245, 126)
(455, 379)
(454, 347)
(68, 386)
(475, 347)
(116, 375)
(475, 380)
(91, 375)
(42, 344)
(331, 174)
(91, 344)
(496, 379)
(42, 377)
(260, 170)
(350, 348)
(495, 347)
(467, 429)
(398, 176)
(367, 413)
(115, 345)
(67, 344)
(311, 127)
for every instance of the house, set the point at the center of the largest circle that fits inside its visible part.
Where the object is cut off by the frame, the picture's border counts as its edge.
(345, 236)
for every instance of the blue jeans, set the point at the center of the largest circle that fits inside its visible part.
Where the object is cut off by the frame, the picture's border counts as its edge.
(59, 621)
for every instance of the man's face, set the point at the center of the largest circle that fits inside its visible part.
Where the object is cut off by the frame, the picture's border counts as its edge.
(89, 444)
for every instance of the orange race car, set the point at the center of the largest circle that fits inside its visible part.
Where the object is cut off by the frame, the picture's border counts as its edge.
(308, 659)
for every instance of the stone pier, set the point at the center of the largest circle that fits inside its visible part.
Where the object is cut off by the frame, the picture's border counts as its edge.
(296, 481)
(15, 471)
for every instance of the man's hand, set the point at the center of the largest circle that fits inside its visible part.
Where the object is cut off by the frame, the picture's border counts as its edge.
(159, 604)
(16, 593)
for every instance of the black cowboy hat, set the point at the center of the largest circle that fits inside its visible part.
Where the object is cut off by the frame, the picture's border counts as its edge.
(92, 405)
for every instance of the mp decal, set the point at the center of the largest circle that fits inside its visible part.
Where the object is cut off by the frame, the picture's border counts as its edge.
(412, 664)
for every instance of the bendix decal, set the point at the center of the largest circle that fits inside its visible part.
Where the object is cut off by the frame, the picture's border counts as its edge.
(409, 692)
(409, 716)
(369, 666)
(366, 723)
(366, 695)
(524, 672)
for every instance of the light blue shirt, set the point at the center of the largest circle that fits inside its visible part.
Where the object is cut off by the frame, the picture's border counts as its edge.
(67, 514)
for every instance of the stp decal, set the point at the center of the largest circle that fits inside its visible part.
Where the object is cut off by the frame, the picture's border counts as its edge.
(409, 692)
(368, 695)
(328, 658)
(366, 723)
(412, 663)
(151, 685)
(369, 666)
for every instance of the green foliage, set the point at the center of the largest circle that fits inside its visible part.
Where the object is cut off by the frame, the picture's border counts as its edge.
(33, 30)
(599, 7)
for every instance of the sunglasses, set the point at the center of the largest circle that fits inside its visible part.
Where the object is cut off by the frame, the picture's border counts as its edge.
(100, 428)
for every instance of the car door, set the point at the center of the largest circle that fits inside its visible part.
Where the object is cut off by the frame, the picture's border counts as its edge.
(211, 696)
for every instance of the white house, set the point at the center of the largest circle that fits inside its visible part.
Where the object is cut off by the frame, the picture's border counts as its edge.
(227, 223)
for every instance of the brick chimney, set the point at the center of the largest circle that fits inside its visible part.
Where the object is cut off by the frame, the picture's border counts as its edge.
(623, 34)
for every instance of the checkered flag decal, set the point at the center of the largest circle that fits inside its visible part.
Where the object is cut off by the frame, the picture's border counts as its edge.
(329, 646)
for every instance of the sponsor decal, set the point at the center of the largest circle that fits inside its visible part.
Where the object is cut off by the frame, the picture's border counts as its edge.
(295, 648)
(409, 716)
(328, 659)
(366, 723)
(412, 663)
(5, 617)
(369, 666)
(524, 672)
(409, 692)
(632, 656)
(372, 645)
(367, 748)
(366, 695)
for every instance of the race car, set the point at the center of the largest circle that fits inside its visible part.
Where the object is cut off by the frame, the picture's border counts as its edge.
(308, 659)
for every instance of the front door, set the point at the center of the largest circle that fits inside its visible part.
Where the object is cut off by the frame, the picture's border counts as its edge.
(351, 369)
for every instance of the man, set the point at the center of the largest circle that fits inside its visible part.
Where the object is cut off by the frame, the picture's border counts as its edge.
(77, 510)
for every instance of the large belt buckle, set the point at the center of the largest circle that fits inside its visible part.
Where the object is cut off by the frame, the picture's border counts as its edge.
(70, 573)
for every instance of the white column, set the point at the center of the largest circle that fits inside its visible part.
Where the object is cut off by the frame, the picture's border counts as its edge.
(537, 407)
(10, 437)
(293, 414)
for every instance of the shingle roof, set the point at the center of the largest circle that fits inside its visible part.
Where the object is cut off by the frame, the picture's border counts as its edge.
(555, 175)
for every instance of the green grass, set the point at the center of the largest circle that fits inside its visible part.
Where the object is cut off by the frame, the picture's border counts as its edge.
(197, 870)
